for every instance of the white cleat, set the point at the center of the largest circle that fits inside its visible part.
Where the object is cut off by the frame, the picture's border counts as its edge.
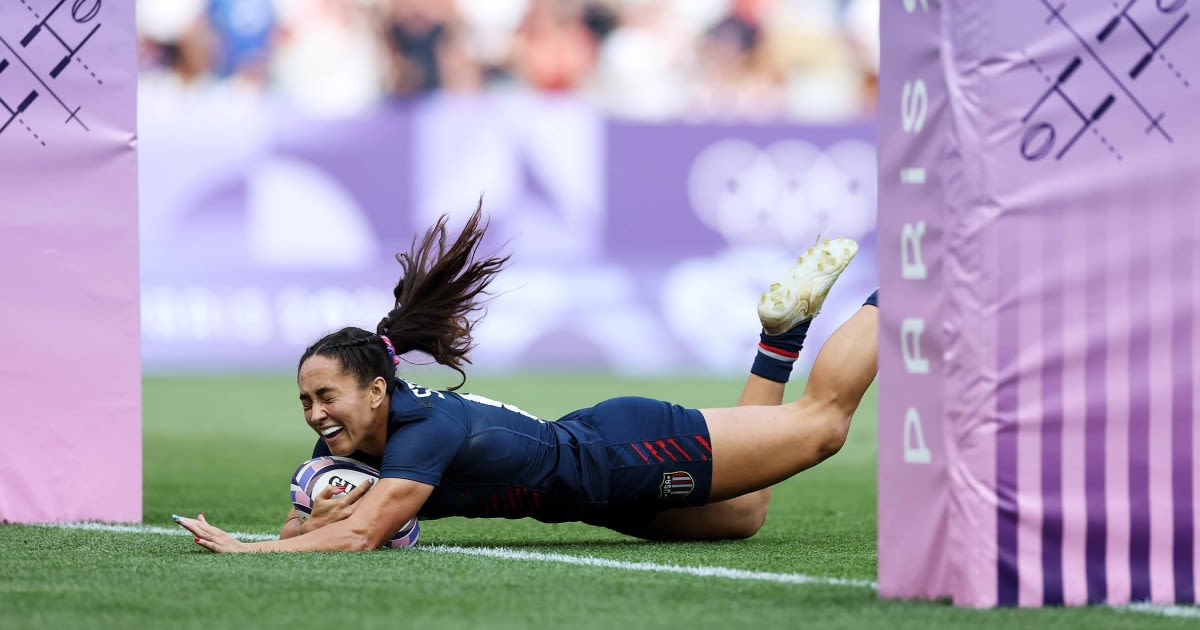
(801, 292)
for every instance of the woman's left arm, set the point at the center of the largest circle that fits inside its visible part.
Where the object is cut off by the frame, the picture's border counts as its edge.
(387, 506)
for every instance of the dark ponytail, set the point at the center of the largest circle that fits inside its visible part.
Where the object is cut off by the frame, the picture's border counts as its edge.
(438, 293)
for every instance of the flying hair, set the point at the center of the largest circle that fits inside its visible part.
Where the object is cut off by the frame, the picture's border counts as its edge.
(438, 294)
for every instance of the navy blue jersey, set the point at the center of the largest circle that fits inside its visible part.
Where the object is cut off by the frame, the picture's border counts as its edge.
(490, 459)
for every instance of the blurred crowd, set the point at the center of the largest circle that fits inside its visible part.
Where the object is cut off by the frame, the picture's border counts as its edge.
(652, 60)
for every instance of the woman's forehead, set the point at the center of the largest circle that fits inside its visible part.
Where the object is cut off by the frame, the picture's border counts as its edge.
(321, 372)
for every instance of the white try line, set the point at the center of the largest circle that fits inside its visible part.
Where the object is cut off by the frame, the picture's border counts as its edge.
(536, 556)
(1191, 612)
(592, 561)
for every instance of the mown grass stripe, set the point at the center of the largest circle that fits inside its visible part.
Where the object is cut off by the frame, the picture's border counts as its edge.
(513, 554)
(1188, 612)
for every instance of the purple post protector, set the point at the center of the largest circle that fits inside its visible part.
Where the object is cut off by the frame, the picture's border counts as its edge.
(71, 374)
(1060, 178)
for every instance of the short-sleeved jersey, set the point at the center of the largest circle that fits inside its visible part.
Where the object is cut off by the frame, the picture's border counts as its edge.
(489, 459)
(611, 464)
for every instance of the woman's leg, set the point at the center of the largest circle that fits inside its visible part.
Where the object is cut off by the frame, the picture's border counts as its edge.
(759, 445)
(737, 517)
(741, 498)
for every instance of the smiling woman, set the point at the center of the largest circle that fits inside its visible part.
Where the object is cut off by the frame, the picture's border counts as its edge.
(640, 466)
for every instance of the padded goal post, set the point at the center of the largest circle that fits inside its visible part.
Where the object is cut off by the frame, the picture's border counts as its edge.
(70, 374)
(1040, 271)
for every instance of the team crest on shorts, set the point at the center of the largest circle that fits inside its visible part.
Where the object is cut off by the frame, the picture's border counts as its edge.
(676, 484)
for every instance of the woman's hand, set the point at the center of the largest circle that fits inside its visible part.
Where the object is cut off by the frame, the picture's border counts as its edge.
(211, 538)
(328, 509)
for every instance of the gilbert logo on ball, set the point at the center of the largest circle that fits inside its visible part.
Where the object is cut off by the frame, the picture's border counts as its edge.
(311, 478)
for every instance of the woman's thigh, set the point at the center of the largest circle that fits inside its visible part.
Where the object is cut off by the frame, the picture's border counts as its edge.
(755, 447)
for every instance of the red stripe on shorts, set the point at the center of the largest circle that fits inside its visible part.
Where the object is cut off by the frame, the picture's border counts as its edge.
(650, 447)
(680, 449)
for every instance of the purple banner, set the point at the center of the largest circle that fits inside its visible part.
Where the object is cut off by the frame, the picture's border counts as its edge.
(1055, 175)
(639, 249)
(68, 262)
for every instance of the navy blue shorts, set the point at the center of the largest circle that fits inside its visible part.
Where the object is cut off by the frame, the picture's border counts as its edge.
(659, 457)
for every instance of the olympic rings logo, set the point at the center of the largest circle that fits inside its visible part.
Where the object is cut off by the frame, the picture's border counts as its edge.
(786, 193)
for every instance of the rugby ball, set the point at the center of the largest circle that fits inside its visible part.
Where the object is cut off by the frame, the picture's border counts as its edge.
(346, 474)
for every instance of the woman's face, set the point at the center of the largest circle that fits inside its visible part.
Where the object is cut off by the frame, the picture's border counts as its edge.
(346, 415)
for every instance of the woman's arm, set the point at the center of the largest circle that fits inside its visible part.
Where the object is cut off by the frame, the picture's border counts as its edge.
(293, 526)
(377, 517)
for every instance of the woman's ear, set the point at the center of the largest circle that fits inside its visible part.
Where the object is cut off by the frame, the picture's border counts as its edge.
(378, 392)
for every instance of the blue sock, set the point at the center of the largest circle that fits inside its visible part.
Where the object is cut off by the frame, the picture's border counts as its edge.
(778, 353)
(873, 300)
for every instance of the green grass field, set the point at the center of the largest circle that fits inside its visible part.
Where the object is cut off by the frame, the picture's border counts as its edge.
(226, 446)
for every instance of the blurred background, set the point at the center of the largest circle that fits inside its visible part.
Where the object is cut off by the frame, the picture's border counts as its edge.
(651, 165)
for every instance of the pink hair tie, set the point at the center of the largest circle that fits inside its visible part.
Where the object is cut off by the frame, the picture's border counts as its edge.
(391, 350)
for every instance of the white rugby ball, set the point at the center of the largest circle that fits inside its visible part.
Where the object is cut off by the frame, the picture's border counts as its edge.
(346, 474)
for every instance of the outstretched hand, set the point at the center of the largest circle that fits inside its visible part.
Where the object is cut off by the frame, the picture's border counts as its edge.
(211, 538)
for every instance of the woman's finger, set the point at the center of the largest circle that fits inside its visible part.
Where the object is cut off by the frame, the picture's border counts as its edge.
(358, 492)
(187, 524)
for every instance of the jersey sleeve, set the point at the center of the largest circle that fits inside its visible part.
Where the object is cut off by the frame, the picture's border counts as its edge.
(422, 449)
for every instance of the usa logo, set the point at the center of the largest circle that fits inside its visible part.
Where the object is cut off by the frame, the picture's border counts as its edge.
(676, 484)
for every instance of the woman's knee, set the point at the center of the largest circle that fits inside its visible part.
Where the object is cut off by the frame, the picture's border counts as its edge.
(826, 422)
(746, 515)
(835, 430)
(748, 526)
(731, 519)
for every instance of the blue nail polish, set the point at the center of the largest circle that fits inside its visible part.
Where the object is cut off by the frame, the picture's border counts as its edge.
(176, 517)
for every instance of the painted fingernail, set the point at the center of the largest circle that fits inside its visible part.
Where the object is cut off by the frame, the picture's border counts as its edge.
(176, 517)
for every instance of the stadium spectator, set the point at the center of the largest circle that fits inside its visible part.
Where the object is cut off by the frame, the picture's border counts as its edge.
(635, 465)
(243, 30)
(645, 64)
(554, 50)
(327, 57)
(416, 33)
(736, 78)
(180, 47)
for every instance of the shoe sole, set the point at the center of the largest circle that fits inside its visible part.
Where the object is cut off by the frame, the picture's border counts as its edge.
(801, 293)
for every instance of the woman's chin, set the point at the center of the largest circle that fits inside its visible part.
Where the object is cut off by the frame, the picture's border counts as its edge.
(340, 446)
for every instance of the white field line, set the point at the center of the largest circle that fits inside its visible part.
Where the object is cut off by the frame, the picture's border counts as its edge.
(512, 554)
(1190, 612)
(591, 561)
